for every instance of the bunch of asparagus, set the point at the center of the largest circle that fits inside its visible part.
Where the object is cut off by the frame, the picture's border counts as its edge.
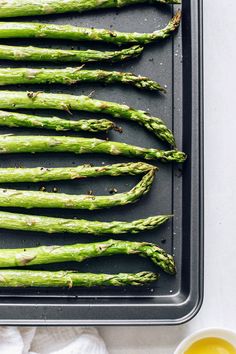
(40, 100)
(38, 199)
(11, 100)
(78, 253)
(39, 30)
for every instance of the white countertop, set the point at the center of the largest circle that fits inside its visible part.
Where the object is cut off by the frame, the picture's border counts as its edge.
(219, 306)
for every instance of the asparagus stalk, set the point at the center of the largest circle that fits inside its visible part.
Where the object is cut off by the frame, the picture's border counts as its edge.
(12, 119)
(14, 221)
(16, 8)
(39, 100)
(38, 199)
(40, 174)
(79, 252)
(17, 53)
(69, 76)
(43, 30)
(64, 278)
(32, 144)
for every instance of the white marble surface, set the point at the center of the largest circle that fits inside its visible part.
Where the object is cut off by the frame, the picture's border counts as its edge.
(219, 307)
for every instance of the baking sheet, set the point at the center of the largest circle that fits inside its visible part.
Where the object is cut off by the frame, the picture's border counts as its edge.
(176, 63)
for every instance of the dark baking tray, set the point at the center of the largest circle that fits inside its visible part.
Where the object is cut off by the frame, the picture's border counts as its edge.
(176, 62)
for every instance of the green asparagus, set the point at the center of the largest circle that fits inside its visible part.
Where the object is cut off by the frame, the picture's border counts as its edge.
(38, 199)
(16, 8)
(14, 221)
(32, 144)
(69, 76)
(65, 278)
(42, 174)
(17, 53)
(44, 30)
(13, 120)
(79, 252)
(39, 100)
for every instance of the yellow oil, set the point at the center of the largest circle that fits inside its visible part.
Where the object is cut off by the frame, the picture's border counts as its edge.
(211, 346)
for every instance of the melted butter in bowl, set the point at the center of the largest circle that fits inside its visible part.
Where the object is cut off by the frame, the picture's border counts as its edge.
(211, 345)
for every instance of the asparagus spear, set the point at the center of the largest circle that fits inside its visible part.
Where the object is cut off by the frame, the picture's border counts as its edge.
(40, 100)
(32, 144)
(12, 119)
(8, 52)
(65, 278)
(69, 76)
(40, 174)
(79, 252)
(16, 8)
(43, 30)
(38, 199)
(14, 221)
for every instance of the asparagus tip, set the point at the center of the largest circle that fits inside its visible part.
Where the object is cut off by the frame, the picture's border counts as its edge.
(147, 277)
(181, 156)
(161, 258)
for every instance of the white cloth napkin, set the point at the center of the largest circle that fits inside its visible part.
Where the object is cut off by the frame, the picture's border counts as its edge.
(51, 340)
